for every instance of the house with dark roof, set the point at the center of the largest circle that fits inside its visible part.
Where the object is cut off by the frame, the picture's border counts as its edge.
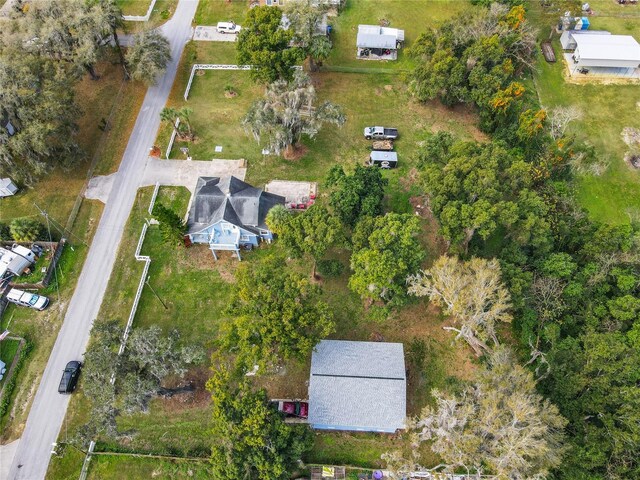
(358, 386)
(229, 214)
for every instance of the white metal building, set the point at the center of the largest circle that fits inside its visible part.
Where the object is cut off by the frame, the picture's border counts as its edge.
(609, 51)
(567, 39)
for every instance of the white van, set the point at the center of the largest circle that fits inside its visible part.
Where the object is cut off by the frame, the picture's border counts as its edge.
(228, 27)
(27, 299)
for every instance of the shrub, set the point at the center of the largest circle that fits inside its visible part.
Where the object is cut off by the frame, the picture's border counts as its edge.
(5, 234)
(26, 229)
(330, 268)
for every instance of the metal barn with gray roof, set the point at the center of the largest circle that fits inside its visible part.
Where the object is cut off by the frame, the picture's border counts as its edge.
(358, 386)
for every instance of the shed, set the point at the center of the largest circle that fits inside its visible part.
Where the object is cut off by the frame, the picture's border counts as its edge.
(357, 386)
(13, 262)
(7, 187)
(609, 51)
(375, 42)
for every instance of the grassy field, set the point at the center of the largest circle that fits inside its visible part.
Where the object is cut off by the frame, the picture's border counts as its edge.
(210, 12)
(412, 16)
(346, 145)
(606, 110)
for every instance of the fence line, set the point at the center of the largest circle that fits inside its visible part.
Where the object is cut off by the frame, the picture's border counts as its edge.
(153, 198)
(171, 140)
(87, 459)
(216, 66)
(141, 18)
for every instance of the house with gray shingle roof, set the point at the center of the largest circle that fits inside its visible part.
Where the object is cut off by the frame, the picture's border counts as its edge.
(229, 214)
(358, 386)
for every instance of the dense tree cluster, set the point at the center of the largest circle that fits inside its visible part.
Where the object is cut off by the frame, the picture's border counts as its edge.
(250, 439)
(263, 44)
(277, 315)
(475, 59)
(499, 424)
(45, 49)
(386, 251)
(573, 283)
(149, 358)
(356, 195)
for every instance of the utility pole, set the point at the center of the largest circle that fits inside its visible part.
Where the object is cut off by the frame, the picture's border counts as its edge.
(154, 292)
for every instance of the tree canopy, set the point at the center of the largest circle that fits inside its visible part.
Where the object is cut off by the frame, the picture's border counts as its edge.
(385, 252)
(149, 357)
(149, 56)
(287, 112)
(471, 292)
(277, 315)
(483, 189)
(357, 195)
(37, 101)
(305, 17)
(499, 425)
(266, 47)
(172, 227)
(310, 233)
(250, 439)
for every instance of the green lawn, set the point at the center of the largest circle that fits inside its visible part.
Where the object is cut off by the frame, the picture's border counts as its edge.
(127, 468)
(134, 7)
(210, 12)
(8, 350)
(412, 16)
(615, 196)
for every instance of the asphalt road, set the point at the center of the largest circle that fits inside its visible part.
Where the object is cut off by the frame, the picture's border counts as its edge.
(48, 410)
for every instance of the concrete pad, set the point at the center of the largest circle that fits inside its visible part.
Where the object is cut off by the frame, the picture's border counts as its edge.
(99, 187)
(7, 453)
(210, 34)
(293, 192)
(184, 173)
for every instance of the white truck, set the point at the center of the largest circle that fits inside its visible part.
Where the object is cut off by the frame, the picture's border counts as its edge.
(380, 133)
(27, 299)
(228, 27)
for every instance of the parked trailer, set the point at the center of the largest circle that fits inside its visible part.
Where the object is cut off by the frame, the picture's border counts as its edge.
(383, 159)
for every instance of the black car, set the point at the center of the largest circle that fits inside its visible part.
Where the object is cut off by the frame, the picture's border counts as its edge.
(70, 377)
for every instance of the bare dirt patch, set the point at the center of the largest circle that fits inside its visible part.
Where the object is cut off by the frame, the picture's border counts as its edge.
(199, 397)
(296, 153)
(434, 242)
(199, 257)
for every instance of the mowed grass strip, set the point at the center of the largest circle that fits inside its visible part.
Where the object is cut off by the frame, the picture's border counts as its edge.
(210, 12)
(116, 467)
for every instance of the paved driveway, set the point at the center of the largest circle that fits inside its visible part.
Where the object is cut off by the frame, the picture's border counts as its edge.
(210, 34)
(49, 408)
